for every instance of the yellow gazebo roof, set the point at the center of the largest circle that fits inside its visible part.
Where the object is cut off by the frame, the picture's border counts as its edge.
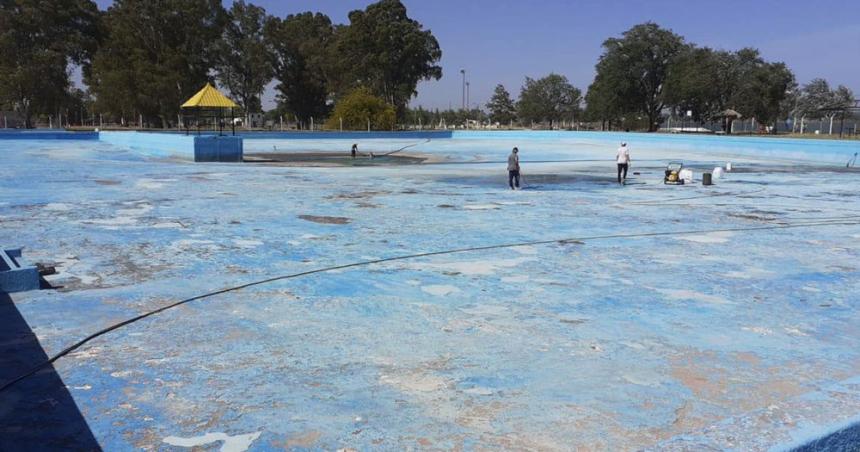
(209, 97)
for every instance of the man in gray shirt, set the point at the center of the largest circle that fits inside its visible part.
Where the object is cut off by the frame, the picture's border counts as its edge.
(514, 169)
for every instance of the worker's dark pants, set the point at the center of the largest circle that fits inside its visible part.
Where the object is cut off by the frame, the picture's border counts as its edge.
(622, 167)
(514, 177)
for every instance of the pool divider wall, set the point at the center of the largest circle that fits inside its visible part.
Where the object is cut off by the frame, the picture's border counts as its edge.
(49, 134)
(214, 148)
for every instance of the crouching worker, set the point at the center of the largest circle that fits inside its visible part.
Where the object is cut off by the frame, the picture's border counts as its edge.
(514, 169)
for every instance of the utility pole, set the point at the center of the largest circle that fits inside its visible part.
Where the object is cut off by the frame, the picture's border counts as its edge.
(468, 105)
(463, 72)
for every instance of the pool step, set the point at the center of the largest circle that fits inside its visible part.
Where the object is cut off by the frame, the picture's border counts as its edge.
(15, 274)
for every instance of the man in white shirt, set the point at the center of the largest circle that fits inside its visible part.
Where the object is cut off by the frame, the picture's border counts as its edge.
(622, 158)
(514, 169)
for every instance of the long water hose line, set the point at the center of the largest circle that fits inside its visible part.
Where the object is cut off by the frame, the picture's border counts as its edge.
(846, 221)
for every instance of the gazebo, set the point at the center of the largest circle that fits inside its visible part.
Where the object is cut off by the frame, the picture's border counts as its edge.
(209, 103)
(727, 116)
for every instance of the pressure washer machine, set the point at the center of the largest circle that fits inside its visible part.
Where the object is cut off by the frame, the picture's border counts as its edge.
(673, 174)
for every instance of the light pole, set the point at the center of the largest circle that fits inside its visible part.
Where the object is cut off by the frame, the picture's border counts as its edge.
(463, 72)
(467, 95)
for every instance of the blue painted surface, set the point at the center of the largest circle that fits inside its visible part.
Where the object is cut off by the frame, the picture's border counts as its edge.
(152, 144)
(433, 134)
(218, 149)
(15, 274)
(735, 341)
(46, 134)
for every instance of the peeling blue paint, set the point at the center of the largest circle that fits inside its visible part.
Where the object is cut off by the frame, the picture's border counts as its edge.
(736, 341)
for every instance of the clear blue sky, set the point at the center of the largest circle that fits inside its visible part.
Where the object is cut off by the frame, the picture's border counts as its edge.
(503, 41)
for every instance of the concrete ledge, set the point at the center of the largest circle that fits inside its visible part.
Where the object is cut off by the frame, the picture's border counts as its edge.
(217, 149)
(15, 276)
(353, 135)
(48, 134)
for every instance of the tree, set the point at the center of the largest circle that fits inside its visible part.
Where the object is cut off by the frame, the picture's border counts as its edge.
(302, 44)
(386, 51)
(636, 66)
(551, 98)
(244, 61)
(602, 103)
(501, 106)
(38, 42)
(760, 87)
(359, 110)
(700, 80)
(156, 56)
(817, 100)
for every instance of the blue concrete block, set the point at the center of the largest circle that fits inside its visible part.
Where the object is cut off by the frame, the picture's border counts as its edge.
(15, 275)
(218, 149)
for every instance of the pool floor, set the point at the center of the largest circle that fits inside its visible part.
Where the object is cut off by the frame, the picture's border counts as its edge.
(628, 317)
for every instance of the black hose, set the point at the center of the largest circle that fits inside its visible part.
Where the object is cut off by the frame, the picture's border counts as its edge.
(405, 147)
(840, 222)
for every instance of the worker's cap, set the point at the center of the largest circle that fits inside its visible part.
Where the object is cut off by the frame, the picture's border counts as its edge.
(623, 143)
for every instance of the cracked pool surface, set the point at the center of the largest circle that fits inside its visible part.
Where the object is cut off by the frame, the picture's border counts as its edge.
(649, 316)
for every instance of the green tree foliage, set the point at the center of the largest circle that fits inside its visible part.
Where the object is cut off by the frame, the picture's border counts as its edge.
(359, 106)
(302, 45)
(551, 98)
(603, 104)
(702, 80)
(386, 51)
(243, 58)
(38, 42)
(157, 55)
(760, 87)
(635, 68)
(817, 100)
(501, 106)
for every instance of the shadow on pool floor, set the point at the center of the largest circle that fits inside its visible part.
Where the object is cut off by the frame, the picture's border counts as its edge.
(37, 413)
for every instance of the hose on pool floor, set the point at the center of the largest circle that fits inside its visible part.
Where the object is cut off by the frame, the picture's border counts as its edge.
(841, 221)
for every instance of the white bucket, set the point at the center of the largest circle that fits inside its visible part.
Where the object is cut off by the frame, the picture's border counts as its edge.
(728, 166)
(686, 175)
(718, 172)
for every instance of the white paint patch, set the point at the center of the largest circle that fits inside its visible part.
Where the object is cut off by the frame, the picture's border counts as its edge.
(758, 330)
(472, 268)
(238, 443)
(136, 211)
(710, 237)
(194, 245)
(481, 206)
(676, 294)
(113, 222)
(795, 331)
(152, 184)
(413, 282)
(810, 289)
(527, 250)
(513, 203)
(247, 243)
(439, 290)
(749, 273)
(167, 225)
(58, 207)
